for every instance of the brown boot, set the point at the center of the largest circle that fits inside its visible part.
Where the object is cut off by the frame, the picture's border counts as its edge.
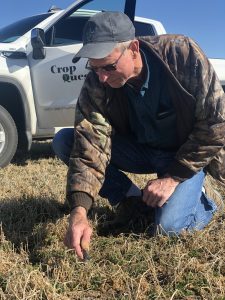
(131, 213)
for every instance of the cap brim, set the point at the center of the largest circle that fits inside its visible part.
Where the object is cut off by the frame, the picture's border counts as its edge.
(96, 50)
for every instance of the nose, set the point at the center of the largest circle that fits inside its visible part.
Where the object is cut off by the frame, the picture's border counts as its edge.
(102, 75)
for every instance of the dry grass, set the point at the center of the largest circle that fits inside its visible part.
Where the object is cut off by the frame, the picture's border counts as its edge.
(34, 264)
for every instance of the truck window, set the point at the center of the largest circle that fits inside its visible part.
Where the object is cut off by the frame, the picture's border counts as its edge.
(12, 32)
(143, 29)
(69, 29)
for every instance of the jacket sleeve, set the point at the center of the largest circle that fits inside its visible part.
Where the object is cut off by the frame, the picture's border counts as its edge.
(92, 142)
(207, 138)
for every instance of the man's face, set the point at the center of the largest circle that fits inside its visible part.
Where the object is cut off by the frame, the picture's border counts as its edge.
(124, 67)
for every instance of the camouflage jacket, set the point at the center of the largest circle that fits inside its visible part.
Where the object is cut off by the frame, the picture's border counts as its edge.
(198, 99)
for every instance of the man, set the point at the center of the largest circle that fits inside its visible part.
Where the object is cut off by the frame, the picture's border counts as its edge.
(148, 105)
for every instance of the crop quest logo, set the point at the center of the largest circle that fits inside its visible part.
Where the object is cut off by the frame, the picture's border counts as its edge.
(68, 73)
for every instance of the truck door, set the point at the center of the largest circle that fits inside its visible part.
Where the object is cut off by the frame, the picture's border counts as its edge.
(56, 79)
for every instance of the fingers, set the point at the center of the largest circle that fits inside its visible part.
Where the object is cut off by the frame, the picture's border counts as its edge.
(154, 199)
(157, 192)
(85, 241)
(152, 193)
(76, 244)
(78, 238)
(161, 202)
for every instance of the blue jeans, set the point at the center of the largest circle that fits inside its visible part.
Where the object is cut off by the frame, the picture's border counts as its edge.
(188, 207)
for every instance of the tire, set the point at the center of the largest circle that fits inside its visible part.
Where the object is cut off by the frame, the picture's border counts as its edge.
(8, 137)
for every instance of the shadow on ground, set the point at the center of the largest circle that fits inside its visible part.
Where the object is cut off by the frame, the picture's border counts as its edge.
(25, 223)
(24, 220)
(39, 150)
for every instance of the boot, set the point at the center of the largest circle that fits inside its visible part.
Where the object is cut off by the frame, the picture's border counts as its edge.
(131, 214)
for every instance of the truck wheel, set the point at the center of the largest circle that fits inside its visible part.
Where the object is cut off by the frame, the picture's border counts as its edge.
(8, 137)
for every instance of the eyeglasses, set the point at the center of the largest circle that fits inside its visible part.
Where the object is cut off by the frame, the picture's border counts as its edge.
(107, 68)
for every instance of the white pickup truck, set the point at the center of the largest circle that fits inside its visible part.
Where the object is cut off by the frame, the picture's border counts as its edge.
(39, 81)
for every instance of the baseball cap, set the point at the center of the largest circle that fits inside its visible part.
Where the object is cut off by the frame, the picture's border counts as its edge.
(103, 31)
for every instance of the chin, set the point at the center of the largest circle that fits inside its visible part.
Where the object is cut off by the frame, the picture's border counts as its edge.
(116, 85)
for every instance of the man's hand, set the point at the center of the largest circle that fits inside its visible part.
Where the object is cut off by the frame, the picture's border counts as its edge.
(79, 232)
(158, 191)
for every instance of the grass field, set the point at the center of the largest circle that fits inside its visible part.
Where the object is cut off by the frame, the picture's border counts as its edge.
(34, 264)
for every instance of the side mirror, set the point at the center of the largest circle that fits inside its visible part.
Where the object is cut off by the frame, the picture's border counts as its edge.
(75, 60)
(38, 43)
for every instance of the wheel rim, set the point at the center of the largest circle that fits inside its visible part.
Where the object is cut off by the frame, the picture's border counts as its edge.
(2, 138)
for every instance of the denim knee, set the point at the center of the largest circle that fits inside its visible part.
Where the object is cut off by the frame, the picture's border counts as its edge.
(171, 221)
(62, 144)
(56, 143)
(168, 224)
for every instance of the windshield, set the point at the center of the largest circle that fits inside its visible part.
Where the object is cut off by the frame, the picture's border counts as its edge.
(12, 32)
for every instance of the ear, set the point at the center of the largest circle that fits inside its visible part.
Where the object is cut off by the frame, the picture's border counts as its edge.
(134, 47)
